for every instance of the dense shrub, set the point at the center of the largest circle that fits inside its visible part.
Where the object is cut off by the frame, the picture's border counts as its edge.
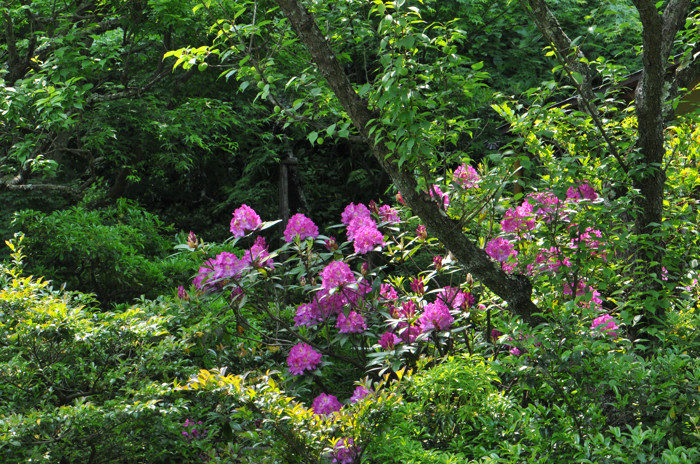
(118, 252)
(80, 385)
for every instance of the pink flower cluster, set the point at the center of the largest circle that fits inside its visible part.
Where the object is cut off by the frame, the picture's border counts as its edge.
(436, 316)
(548, 260)
(258, 255)
(353, 211)
(339, 288)
(500, 249)
(519, 220)
(466, 176)
(417, 285)
(190, 432)
(591, 240)
(361, 228)
(360, 393)
(352, 323)
(216, 271)
(388, 293)
(407, 326)
(344, 451)
(605, 324)
(389, 214)
(337, 275)
(244, 218)
(325, 404)
(545, 205)
(307, 315)
(455, 298)
(303, 357)
(389, 340)
(581, 192)
(300, 226)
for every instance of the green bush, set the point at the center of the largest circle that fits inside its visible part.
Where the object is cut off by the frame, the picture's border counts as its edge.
(118, 252)
(80, 385)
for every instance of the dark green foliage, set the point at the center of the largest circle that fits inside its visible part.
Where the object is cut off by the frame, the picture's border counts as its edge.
(118, 252)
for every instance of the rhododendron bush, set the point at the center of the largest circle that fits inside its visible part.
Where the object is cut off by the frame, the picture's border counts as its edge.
(381, 297)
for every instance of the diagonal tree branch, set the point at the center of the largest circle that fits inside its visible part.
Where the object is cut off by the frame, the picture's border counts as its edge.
(574, 61)
(516, 290)
(674, 17)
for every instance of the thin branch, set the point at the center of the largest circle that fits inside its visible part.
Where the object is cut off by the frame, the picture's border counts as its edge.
(572, 60)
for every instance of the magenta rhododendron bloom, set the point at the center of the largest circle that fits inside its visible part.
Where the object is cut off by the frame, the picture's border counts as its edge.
(549, 260)
(417, 286)
(389, 340)
(389, 214)
(408, 309)
(544, 204)
(307, 314)
(388, 292)
(244, 218)
(408, 331)
(500, 249)
(518, 220)
(327, 304)
(228, 266)
(344, 451)
(466, 176)
(591, 240)
(421, 232)
(437, 262)
(366, 238)
(360, 392)
(582, 289)
(337, 274)
(606, 324)
(258, 254)
(352, 323)
(300, 226)
(215, 271)
(353, 211)
(325, 404)
(182, 293)
(302, 357)
(357, 223)
(582, 192)
(436, 316)
(191, 432)
(192, 242)
(201, 281)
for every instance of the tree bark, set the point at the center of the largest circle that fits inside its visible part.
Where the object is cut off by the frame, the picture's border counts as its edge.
(515, 289)
(658, 33)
